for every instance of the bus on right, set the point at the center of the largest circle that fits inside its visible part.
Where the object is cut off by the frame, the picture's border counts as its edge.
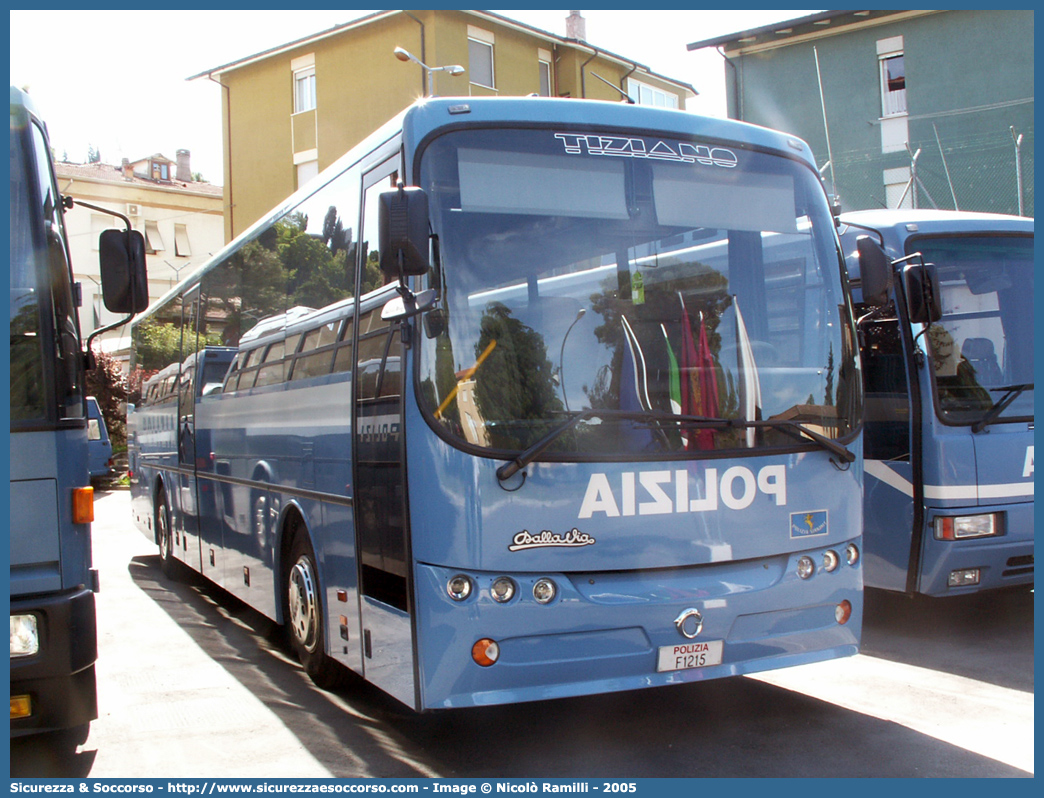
(944, 302)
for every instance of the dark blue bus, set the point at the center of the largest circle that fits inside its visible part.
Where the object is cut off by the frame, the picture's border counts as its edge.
(53, 627)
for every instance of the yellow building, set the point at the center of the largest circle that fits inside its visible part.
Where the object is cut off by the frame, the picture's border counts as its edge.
(181, 220)
(291, 111)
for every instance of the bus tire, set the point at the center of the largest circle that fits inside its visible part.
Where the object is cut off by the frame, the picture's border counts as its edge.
(165, 536)
(303, 613)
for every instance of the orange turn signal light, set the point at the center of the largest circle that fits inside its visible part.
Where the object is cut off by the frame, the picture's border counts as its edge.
(83, 505)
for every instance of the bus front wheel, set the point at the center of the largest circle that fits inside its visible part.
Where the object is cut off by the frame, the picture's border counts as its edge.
(302, 610)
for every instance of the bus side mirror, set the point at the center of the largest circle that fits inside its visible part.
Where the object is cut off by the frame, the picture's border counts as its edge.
(875, 271)
(403, 232)
(921, 282)
(125, 287)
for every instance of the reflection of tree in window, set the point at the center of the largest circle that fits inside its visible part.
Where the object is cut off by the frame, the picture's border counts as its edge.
(706, 300)
(959, 387)
(514, 391)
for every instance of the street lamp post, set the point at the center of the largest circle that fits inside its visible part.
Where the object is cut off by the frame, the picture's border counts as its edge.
(452, 69)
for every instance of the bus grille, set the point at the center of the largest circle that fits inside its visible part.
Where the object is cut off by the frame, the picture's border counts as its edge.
(1019, 566)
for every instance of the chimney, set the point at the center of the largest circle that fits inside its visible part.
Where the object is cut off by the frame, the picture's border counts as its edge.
(128, 173)
(576, 26)
(183, 173)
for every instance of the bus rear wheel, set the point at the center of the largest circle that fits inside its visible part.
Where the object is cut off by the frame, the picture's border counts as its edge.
(302, 610)
(165, 536)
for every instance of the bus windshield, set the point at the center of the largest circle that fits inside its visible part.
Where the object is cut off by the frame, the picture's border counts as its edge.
(982, 347)
(43, 387)
(667, 284)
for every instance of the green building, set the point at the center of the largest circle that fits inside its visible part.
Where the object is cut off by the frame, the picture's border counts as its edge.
(928, 109)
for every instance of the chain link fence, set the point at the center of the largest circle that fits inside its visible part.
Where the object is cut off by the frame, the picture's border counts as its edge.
(959, 168)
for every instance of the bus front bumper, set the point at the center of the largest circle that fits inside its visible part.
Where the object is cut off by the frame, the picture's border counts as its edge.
(55, 687)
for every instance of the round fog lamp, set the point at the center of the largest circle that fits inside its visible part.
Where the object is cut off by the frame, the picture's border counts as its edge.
(485, 652)
(805, 568)
(502, 589)
(843, 611)
(459, 587)
(830, 561)
(544, 590)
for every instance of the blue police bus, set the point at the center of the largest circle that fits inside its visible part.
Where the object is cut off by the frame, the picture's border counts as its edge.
(946, 333)
(53, 627)
(524, 398)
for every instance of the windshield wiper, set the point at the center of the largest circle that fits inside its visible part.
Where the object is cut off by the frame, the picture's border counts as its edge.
(526, 457)
(829, 444)
(1012, 392)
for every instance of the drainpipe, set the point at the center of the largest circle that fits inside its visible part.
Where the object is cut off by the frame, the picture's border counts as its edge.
(228, 146)
(423, 54)
(623, 80)
(583, 77)
(735, 85)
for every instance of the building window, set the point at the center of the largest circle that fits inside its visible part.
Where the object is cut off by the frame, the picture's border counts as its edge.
(480, 57)
(160, 171)
(153, 239)
(304, 89)
(644, 94)
(181, 241)
(893, 85)
(544, 67)
(893, 76)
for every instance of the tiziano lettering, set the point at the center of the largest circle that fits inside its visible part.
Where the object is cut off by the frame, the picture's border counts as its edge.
(664, 492)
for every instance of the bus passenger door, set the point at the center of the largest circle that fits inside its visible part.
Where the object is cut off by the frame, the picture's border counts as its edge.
(186, 524)
(888, 489)
(381, 522)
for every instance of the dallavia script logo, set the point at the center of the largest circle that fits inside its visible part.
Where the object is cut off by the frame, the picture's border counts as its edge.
(624, 147)
(571, 539)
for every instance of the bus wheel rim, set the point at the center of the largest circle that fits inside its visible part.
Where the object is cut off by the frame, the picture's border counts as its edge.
(303, 604)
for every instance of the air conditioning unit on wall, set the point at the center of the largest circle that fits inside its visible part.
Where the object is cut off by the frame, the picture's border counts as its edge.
(133, 209)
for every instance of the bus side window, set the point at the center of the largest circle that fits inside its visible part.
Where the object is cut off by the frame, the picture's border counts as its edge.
(373, 349)
(273, 367)
(316, 352)
(343, 359)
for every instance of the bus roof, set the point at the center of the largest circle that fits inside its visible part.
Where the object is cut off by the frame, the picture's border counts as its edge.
(426, 116)
(429, 115)
(896, 226)
(935, 221)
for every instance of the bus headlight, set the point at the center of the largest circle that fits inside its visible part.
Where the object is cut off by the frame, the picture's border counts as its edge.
(25, 636)
(502, 589)
(806, 567)
(962, 527)
(830, 560)
(458, 587)
(544, 590)
(851, 554)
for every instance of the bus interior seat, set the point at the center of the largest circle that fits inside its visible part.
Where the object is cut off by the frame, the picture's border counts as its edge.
(979, 352)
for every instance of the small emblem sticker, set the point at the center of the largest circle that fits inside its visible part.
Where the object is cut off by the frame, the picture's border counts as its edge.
(571, 539)
(808, 524)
